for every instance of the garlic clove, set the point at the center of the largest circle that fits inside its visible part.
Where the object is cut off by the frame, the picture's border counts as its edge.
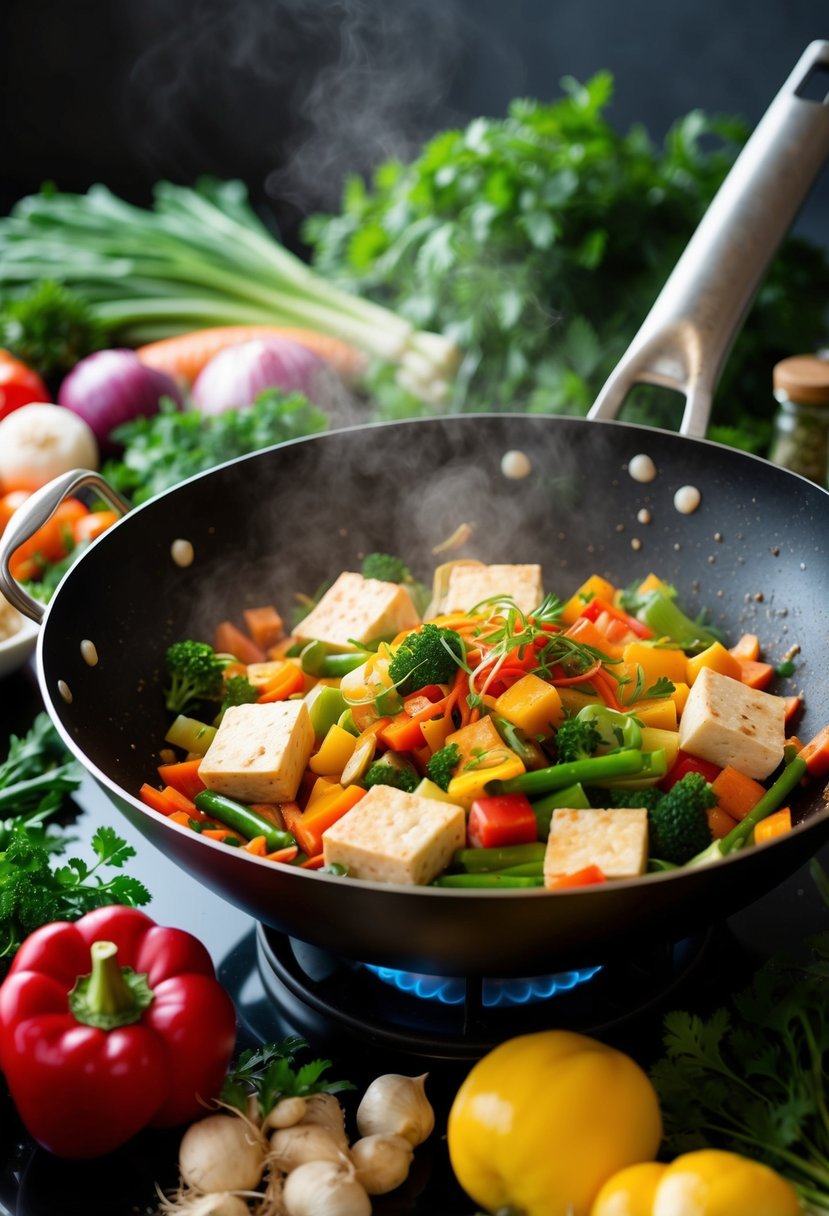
(286, 1113)
(221, 1153)
(325, 1188)
(325, 1109)
(294, 1146)
(396, 1105)
(382, 1162)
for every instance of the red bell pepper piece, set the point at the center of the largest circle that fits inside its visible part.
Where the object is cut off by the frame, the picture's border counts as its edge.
(685, 763)
(110, 1025)
(501, 819)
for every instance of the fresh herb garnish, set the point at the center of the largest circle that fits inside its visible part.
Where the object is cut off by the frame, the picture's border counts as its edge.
(269, 1073)
(751, 1078)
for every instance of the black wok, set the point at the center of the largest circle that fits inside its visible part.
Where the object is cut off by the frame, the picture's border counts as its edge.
(754, 554)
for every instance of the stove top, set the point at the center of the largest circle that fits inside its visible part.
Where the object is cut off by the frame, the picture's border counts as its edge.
(368, 1021)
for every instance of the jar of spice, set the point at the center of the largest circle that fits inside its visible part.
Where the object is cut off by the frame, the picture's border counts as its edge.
(801, 426)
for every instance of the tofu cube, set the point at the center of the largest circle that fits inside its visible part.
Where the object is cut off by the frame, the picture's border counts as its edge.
(357, 609)
(260, 752)
(391, 836)
(468, 585)
(726, 722)
(615, 840)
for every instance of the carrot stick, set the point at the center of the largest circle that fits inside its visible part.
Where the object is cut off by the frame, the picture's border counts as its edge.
(308, 826)
(775, 825)
(230, 639)
(184, 355)
(288, 681)
(816, 754)
(736, 793)
(183, 776)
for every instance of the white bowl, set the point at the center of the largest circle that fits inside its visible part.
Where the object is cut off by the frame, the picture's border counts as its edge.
(16, 649)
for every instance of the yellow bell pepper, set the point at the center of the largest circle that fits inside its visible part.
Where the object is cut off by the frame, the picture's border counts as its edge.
(543, 1120)
(484, 757)
(595, 587)
(708, 1182)
(531, 704)
(661, 713)
(657, 662)
(717, 658)
(334, 752)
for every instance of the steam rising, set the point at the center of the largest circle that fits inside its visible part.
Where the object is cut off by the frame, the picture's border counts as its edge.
(302, 92)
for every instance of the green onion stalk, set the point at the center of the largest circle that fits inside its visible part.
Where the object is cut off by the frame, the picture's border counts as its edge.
(201, 257)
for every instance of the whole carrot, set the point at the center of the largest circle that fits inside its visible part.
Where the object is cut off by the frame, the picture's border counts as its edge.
(184, 355)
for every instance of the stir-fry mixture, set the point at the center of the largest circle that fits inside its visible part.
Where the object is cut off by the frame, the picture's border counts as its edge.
(496, 737)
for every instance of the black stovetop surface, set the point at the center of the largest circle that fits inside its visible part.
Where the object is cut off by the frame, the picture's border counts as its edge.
(33, 1183)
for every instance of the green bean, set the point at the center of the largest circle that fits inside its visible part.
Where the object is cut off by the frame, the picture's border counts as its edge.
(243, 819)
(480, 860)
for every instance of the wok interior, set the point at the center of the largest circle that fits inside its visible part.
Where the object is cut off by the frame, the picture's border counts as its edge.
(291, 518)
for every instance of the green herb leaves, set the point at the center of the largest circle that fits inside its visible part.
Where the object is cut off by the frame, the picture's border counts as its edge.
(269, 1073)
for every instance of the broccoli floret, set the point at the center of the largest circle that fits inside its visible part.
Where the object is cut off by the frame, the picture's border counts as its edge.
(678, 825)
(400, 777)
(649, 797)
(238, 690)
(195, 673)
(441, 767)
(430, 655)
(576, 739)
(385, 567)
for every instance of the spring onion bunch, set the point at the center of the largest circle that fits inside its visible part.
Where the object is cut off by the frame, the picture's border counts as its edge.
(200, 257)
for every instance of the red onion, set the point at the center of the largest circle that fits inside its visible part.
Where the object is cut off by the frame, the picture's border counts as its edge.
(111, 387)
(235, 376)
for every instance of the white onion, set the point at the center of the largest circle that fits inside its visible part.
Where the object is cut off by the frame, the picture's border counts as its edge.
(40, 441)
(111, 387)
(234, 377)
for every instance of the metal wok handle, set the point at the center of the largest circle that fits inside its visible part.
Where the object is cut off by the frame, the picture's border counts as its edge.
(33, 514)
(685, 338)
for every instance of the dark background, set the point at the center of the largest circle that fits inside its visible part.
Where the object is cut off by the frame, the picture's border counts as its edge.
(292, 94)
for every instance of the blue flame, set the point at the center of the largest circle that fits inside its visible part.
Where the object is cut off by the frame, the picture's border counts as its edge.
(496, 993)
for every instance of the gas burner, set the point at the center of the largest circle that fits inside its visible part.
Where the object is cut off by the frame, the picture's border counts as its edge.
(452, 991)
(316, 994)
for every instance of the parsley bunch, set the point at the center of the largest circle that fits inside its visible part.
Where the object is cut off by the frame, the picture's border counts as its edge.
(752, 1077)
(269, 1072)
(539, 241)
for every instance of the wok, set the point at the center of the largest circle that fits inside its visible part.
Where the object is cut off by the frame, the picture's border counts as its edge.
(262, 527)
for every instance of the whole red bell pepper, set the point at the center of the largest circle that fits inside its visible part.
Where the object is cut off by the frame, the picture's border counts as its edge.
(111, 1024)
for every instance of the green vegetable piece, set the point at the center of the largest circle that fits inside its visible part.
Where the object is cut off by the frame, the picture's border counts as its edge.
(191, 734)
(662, 614)
(326, 705)
(616, 729)
(485, 860)
(430, 656)
(243, 819)
(630, 763)
(385, 567)
(195, 674)
(441, 766)
(394, 770)
(487, 881)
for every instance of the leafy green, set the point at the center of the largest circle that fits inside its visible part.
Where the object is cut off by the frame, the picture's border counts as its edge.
(36, 776)
(539, 241)
(50, 328)
(751, 1077)
(34, 893)
(161, 451)
(269, 1073)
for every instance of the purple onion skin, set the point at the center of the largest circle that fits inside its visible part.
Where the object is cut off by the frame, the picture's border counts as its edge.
(111, 387)
(234, 377)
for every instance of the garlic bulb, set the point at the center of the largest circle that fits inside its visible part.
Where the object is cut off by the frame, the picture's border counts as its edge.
(293, 1146)
(396, 1106)
(326, 1110)
(222, 1204)
(382, 1162)
(221, 1153)
(325, 1188)
(286, 1113)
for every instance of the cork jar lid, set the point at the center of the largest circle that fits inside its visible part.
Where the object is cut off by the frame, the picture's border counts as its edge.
(803, 378)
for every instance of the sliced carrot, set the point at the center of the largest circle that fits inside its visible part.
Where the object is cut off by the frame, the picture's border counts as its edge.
(403, 734)
(308, 826)
(816, 754)
(184, 355)
(284, 855)
(746, 647)
(230, 639)
(773, 826)
(289, 680)
(220, 834)
(183, 775)
(179, 802)
(257, 846)
(271, 812)
(579, 878)
(156, 799)
(181, 818)
(313, 863)
(794, 704)
(736, 793)
(720, 822)
(755, 674)
(264, 625)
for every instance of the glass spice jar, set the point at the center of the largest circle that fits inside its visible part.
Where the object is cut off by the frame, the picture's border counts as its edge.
(801, 425)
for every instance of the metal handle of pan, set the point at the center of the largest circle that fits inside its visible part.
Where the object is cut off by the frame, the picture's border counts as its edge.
(685, 338)
(37, 509)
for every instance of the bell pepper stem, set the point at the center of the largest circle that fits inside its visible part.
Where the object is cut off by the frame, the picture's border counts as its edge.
(111, 995)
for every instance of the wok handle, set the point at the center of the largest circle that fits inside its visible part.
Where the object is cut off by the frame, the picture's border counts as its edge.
(685, 338)
(33, 514)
